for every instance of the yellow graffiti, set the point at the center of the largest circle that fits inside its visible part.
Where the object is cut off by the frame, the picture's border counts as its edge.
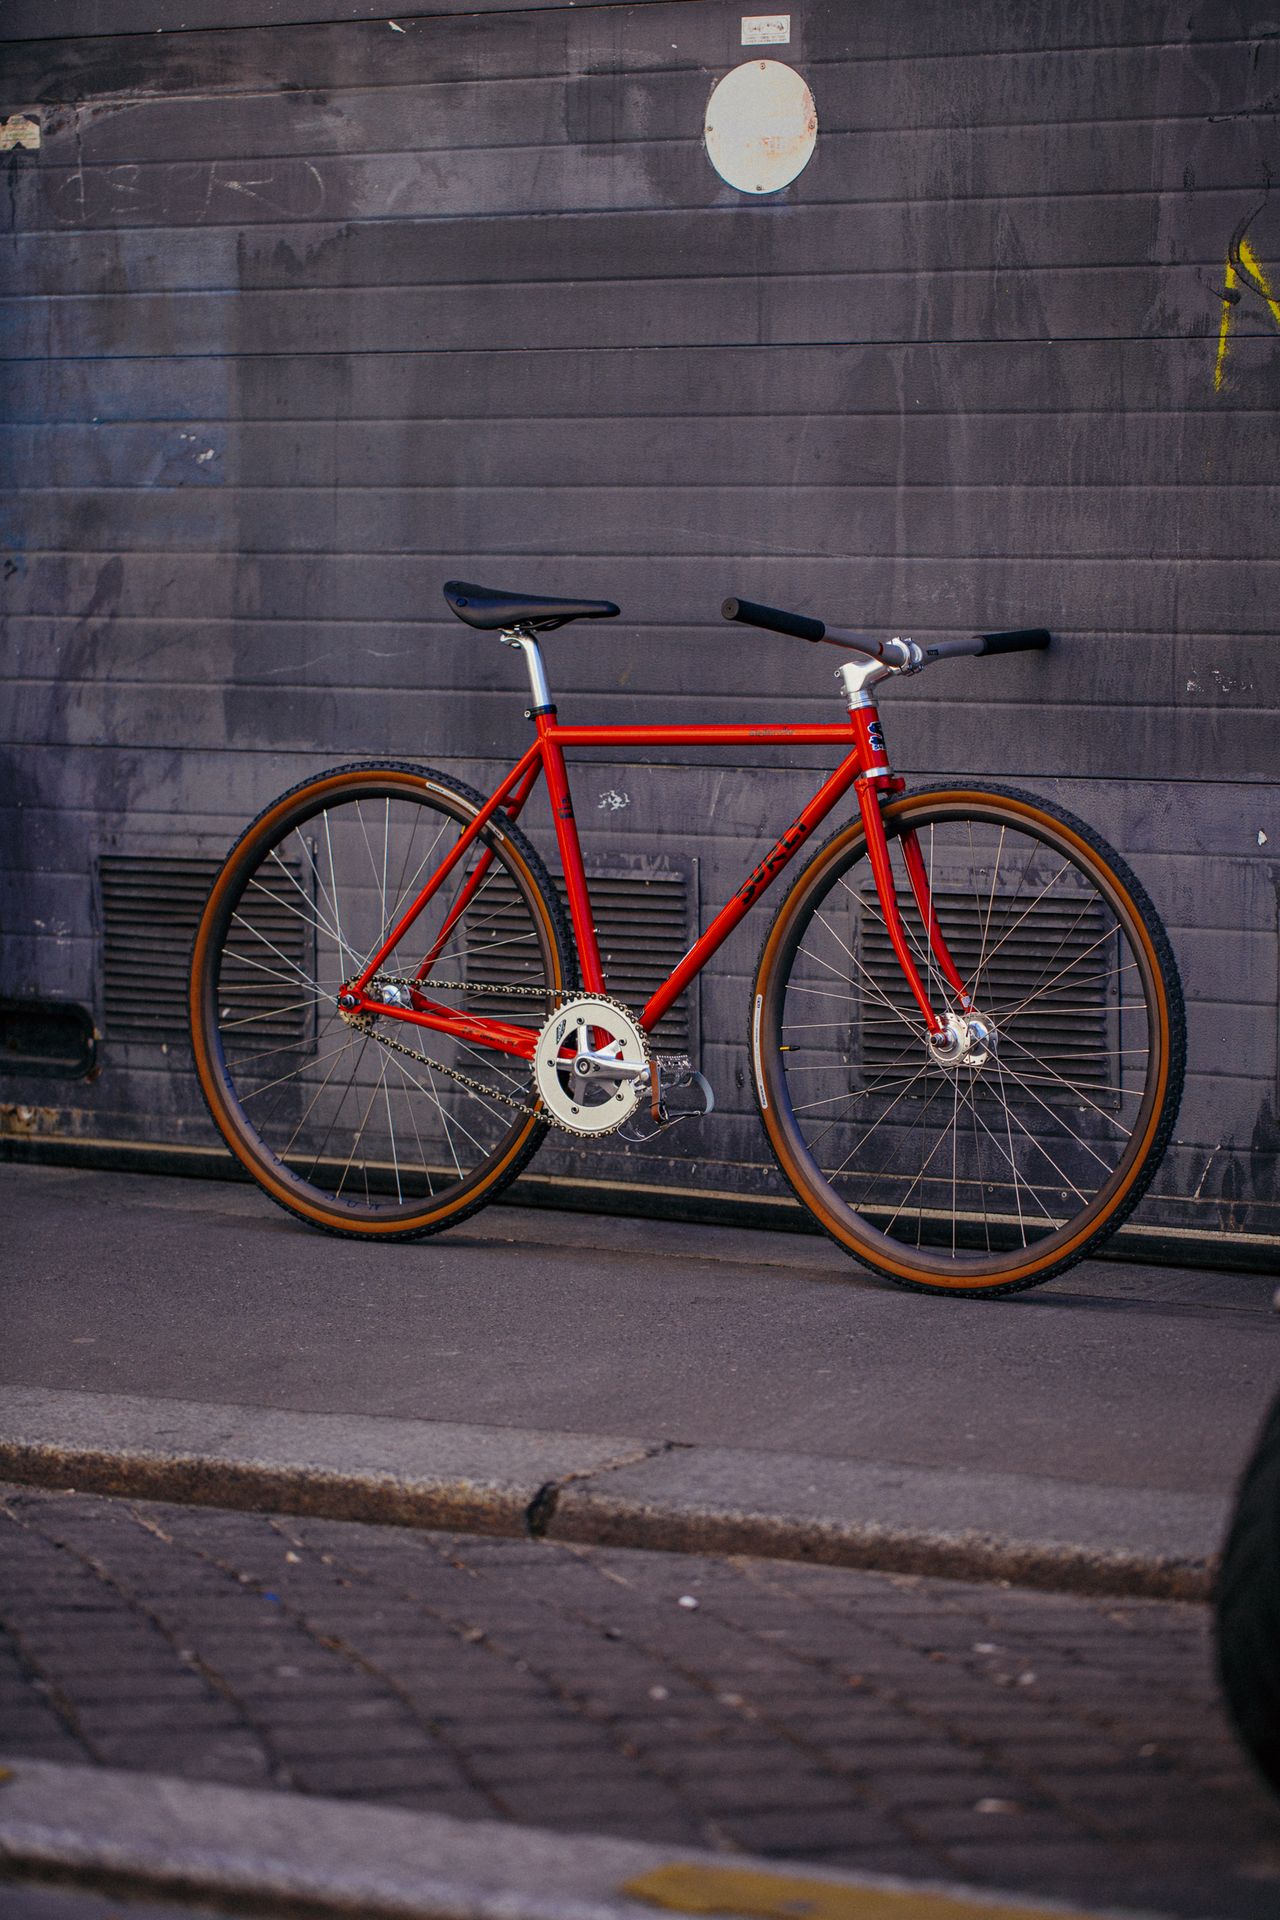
(1243, 270)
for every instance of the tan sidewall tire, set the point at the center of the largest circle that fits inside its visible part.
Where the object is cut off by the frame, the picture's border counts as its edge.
(1156, 1116)
(515, 1149)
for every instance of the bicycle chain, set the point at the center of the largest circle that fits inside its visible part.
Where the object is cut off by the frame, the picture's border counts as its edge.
(365, 1023)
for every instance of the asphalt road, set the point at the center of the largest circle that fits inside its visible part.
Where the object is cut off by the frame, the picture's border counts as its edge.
(202, 1291)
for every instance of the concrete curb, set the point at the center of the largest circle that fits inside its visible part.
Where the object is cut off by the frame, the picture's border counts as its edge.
(156, 1835)
(614, 1490)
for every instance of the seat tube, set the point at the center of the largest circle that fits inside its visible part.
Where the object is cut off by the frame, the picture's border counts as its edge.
(575, 879)
(543, 714)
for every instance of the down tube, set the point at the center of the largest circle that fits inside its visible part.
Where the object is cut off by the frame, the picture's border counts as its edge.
(757, 882)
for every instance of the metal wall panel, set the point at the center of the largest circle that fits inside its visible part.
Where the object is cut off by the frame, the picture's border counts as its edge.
(301, 317)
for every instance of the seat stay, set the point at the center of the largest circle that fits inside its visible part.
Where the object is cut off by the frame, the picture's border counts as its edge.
(474, 881)
(527, 762)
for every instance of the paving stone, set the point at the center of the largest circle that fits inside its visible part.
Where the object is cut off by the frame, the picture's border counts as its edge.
(795, 1830)
(878, 1857)
(544, 1801)
(238, 1761)
(931, 1786)
(714, 1761)
(323, 1711)
(534, 1735)
(783, 1792)
(605, 1773)
(1063, 1868)
(359, 1738)
(1025, 1823)
(811, 1713)
(362, 1773)
(455, 1802)
(38, 1743)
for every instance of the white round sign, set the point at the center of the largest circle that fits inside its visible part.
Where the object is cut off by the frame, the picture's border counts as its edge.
(761, 126)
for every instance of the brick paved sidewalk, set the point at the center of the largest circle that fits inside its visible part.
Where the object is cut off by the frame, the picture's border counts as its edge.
(1054, 1745)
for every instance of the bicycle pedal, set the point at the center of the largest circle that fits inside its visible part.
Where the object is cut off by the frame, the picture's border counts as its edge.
(691, 1081)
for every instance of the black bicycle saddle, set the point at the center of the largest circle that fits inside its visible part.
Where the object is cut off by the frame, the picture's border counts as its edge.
(490, 608)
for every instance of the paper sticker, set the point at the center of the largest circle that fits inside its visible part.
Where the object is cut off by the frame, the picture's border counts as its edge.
(766, 30)
(19, 131)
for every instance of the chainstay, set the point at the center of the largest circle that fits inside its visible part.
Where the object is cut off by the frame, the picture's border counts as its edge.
(364, 1023)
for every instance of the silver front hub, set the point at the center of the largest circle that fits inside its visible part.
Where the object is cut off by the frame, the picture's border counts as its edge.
(967, 1041)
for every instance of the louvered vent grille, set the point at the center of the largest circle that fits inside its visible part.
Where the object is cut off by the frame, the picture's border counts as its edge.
(1054, 945)
(643, 927)
(151, 906)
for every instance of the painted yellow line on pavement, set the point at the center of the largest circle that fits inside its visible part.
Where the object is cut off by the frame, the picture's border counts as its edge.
(747, 1890)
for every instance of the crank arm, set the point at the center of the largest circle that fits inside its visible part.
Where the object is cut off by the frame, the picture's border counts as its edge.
(590, 1064)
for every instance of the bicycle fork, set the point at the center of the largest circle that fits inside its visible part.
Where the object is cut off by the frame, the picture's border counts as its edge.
(873, 787)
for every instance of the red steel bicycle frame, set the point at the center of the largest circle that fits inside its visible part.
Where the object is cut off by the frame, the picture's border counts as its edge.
(864, 767)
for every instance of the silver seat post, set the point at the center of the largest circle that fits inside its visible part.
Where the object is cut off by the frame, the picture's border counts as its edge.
(528, 645)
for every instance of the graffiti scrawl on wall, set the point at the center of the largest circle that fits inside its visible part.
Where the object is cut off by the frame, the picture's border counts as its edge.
(1244, 273)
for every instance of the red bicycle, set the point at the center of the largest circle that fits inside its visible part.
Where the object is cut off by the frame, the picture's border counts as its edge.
(966, 1025)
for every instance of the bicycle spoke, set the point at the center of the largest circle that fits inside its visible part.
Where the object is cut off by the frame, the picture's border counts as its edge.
(391, 1128)
(311, 919)
(874, 984)
(364, 1140)
(1076, 1088)
(971, 1156)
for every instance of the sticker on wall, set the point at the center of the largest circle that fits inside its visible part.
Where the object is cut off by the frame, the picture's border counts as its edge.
(761, 126)
(766, 30)
(19, 131)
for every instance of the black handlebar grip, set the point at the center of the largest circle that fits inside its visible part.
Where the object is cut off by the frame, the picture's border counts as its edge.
(799, 625)
(1021, 640)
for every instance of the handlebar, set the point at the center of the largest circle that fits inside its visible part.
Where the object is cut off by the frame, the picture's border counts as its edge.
(1021, 640)
(802, 626)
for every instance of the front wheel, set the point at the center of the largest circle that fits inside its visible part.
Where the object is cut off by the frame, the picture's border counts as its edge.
(1005, 1164)
(342, 1125)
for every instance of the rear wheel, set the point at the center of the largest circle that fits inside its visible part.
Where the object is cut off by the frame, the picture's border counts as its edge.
(1004, 1164)
(336, 1124)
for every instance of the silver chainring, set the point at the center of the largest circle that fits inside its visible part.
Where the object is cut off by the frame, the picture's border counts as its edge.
(571, 1064)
